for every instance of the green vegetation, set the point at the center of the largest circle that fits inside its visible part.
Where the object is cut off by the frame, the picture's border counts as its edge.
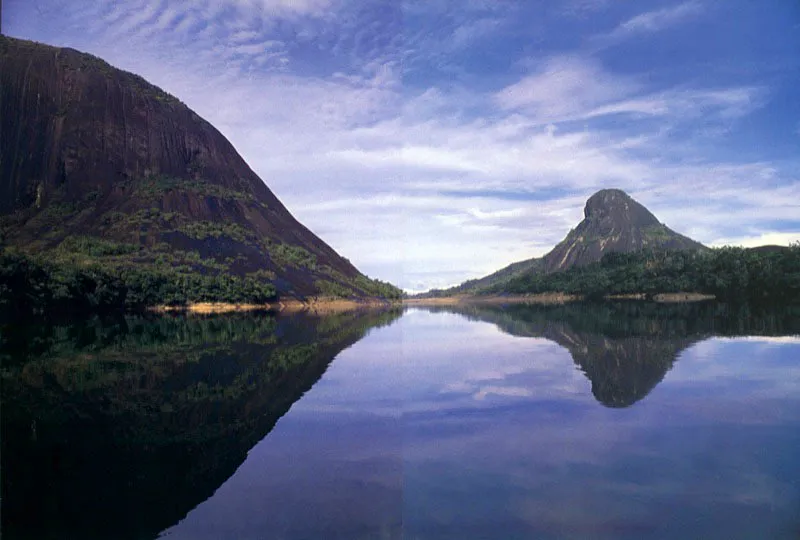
(376, 287)
(285, 254)
(155, 186)
(339, 285)
(93, 274)
(37, 284)
(369, 287)
(95, 247)
(200, 230)
(656, 233)
(143, 218)
(728, 273)
(331, 288)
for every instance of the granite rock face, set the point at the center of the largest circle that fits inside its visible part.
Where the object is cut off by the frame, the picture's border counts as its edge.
(613, 222)
(88, 149)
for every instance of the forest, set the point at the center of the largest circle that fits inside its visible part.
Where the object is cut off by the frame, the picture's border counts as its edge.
(770, 273)
(34, 284)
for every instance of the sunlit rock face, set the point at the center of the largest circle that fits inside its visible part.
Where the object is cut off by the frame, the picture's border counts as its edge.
(613, 222)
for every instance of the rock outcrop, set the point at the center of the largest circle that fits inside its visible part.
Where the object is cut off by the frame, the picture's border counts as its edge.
(613, 222)
(91, 150)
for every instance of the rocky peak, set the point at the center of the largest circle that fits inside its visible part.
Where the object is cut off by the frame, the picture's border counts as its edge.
(617, 206)
(96, 152)
(613, 222)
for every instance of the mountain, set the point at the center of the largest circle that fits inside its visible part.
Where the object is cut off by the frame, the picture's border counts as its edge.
(613, 222)
(97, 161)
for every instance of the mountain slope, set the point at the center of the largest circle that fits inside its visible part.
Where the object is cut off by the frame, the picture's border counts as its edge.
(88, 150)
(613, 223)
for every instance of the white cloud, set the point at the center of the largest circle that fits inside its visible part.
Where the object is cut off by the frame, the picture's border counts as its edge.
(654, 21)
(376, 168)
(429, 185)
(578, 88)
(563, 87)
(760, 239)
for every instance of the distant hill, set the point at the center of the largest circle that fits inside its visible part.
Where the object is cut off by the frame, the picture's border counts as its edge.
(613, 223)
(98, 164)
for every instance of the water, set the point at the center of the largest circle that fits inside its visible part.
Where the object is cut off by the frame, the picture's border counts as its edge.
(624, 421)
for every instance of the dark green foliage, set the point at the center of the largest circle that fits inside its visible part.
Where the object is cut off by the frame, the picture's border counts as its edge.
(728, 273)
(376, 287)
(154, 188)
(36, 285)
(201, 230)
(95, 247)
(293, 255)
(343, 287)
(331, 288)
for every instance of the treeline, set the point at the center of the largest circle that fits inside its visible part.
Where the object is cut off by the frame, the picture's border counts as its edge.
(729, 273)
(377, 288)
(34, 284)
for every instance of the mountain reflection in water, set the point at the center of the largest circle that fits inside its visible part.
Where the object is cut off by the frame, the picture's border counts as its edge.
(119, 428)
(625, 349)
(116, 428)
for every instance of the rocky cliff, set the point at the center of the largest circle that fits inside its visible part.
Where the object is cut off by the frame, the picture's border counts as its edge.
(613, 222)
(88, 150)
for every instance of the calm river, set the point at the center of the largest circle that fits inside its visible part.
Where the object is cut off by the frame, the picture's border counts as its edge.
(626, 421)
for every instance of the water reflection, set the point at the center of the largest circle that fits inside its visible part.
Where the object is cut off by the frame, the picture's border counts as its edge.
(439, 427)
(474, 424)
(625, 349)
(115, 428)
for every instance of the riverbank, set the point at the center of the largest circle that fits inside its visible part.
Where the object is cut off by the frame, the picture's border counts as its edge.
(546, 298)
(554, 298)
(317, 305)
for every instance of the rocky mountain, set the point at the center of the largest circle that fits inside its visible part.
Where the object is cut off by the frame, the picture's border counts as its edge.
(97, 159)
(613, 222)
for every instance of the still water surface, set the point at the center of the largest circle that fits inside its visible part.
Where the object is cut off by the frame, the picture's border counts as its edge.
(622, 421)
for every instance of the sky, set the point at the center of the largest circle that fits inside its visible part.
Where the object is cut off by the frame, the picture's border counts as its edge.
(433, 141)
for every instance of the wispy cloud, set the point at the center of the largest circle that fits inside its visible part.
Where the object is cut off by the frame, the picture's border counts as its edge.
(583, 8)
(565, 86)
(427, 180)
(653, 21)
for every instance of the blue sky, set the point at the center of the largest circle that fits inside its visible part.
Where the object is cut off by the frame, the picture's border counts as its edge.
(432, 141)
